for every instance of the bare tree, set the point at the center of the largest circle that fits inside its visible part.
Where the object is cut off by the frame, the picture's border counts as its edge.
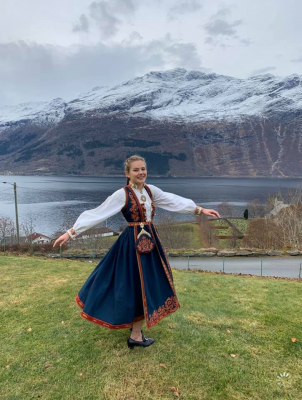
(171, 235)
(7, 229)
(289, 221)
(263, 233)
(256, 208)
(27, 228)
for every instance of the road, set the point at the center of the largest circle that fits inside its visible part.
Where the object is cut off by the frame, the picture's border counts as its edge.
(284, 267)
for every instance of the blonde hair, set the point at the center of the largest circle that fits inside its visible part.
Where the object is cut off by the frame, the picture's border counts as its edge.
(129, 161)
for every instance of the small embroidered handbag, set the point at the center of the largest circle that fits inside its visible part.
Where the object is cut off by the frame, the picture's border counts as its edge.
(144, 242)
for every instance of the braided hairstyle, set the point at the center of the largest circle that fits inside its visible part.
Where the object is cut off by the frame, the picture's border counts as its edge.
(129, 161)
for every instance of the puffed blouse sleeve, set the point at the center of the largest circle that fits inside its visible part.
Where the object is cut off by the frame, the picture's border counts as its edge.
(172, 202)
(89, 218)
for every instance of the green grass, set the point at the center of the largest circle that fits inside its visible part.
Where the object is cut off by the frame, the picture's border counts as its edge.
(241, 224)
(49, 352)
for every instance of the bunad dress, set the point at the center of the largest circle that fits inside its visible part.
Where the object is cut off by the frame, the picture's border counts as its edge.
(127, 286)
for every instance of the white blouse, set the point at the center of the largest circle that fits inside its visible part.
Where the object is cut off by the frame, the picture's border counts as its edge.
(114, 203)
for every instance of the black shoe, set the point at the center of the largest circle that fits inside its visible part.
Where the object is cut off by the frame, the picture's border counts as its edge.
(144, 343)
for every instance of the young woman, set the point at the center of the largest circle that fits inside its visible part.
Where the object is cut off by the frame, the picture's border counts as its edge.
(133, 282)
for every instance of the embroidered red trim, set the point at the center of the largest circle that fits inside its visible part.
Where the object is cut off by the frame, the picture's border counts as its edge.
(126, 201)
(104, 323)
(169, 275)
(134, 208)
(142, 280)
(171, 305)
(137, 203)
(144, 212)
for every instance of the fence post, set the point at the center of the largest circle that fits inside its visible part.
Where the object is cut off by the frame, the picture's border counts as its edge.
(261, 267)
(93, 250)
(300, 271)
(223, 264)
(188, 262)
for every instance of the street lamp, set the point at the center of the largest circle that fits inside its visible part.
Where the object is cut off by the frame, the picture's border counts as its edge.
(16, 208)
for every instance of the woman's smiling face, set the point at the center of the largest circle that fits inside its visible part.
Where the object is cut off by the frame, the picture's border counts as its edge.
(138, 172)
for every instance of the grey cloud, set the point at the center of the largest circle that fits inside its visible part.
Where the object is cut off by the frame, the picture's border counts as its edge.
(262, 70)
(133, 38)
(216, 41)
(107, 21)
(183, 7)
(35, 72)
(297, 60)
(222, 12)
(246, 42)
(221, 27)
(82, 25)
(107, 15)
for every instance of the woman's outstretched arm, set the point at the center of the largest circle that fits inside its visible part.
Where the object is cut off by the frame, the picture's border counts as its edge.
(173, 202)
(89, 218)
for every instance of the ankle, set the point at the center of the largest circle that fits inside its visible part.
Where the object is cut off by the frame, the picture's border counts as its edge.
(136, 336)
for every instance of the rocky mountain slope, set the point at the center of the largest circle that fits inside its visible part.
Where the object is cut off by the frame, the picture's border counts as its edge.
(186, 123)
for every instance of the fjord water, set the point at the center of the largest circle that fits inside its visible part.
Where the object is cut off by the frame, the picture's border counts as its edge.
(51, 199)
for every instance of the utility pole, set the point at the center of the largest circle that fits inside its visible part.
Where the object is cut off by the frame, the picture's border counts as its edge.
(16, 209)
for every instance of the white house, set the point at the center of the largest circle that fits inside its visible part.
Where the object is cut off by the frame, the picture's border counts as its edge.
(38, 238)
(278, 205)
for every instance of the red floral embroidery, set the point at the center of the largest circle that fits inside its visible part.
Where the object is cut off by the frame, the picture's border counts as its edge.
(152, 211)
(134, 208)
(144, 245)
(171, 304)
(144, 211)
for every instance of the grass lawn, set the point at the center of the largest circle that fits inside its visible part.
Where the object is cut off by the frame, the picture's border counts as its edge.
(231, 339)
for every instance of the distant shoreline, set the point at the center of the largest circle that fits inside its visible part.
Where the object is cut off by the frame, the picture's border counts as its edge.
(160, 176)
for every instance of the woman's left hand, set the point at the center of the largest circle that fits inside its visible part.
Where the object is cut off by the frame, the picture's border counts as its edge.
(211, 213)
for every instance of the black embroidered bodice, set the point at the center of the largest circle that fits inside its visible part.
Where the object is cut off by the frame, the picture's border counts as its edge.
(134, 210)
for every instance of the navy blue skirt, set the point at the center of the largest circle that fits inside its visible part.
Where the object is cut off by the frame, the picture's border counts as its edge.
(126, 286)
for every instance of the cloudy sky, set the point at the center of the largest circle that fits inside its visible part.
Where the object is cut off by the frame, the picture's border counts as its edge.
(60, 48)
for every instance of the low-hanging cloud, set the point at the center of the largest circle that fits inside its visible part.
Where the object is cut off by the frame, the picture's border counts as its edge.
(36, 72)
(262, 70)
(297, 60)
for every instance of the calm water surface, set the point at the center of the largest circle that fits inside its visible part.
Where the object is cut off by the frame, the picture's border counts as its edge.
(52, 200)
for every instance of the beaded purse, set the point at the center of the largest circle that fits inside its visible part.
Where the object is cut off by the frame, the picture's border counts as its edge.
(144, 242)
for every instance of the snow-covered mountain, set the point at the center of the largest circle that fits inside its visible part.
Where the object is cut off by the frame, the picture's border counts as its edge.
(41, 112)
(187, 122)
(177, 95)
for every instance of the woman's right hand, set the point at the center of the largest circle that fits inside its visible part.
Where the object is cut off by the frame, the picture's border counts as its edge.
(62, 239)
